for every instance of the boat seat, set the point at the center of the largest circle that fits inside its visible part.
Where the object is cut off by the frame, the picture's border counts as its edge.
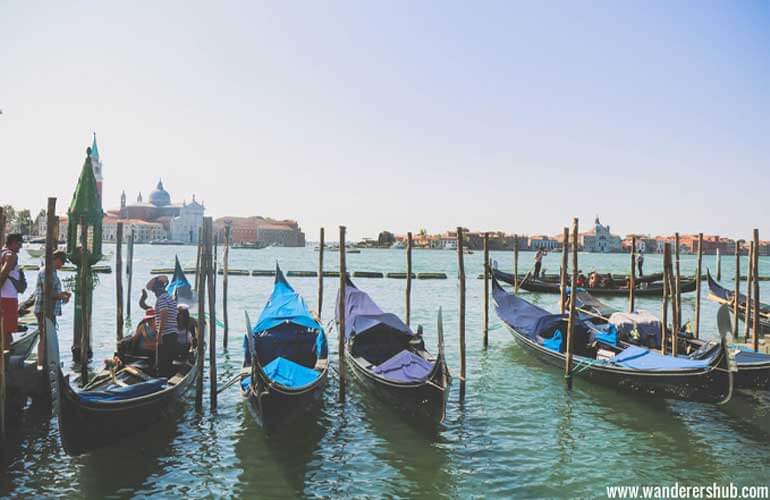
(137, 373)
(176, 379)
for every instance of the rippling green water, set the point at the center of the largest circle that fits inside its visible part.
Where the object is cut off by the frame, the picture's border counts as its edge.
(519, 432)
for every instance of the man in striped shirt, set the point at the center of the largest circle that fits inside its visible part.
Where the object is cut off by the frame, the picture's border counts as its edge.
(165, 307)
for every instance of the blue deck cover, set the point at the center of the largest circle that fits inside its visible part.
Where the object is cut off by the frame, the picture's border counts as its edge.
(405, 366)
(524, 317)
(641, 358)
(290, 374)
(122, 393)
(362, 314)
(284, 305)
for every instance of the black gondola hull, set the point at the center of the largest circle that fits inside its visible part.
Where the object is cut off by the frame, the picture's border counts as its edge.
(273, 408)
(713, 385)
(424, 402)
(85, 426)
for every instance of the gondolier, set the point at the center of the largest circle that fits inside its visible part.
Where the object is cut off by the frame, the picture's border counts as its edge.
(640, 262)
(539, 261)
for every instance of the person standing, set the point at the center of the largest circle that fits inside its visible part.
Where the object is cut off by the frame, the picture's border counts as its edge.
(59, 296)
(12, 283)
(539, 261)
(640, 261)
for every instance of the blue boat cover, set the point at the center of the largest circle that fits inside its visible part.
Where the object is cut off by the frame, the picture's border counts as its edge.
(554, 343)
(179, 283)
(362, 314)
(122, 393)
(290, 374)
(245, 383)
(608, 336)
(284, 306)
(745, 355)
(527, 319)
(405, 366)
(641, 358)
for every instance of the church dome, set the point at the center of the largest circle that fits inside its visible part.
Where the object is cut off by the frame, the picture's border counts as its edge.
(160, 196)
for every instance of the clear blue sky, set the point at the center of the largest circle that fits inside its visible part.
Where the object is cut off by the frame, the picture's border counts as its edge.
(399, 115)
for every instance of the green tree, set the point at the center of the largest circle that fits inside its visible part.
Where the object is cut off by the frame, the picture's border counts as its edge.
(24, 221)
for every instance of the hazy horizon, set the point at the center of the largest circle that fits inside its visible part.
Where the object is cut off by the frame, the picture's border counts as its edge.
(399, 116)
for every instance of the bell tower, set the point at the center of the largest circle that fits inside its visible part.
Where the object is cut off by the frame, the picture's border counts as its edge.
(97, 166)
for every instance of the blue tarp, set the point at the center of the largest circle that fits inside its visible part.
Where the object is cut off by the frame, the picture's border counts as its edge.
(121, 393)
(405, 366)
(362, 314)
(179, 287)
(285, 305)
(610, 336)
(245, 383)
(290, 374)
(527, 319)
(554, 343)
(641, 358)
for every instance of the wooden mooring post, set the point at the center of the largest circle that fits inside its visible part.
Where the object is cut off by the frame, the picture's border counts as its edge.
(719, 265)
(408, 278)
(211, 277)
(750, 278)
(632, 277)
(48, 301)
(198, 259)
(677, 300)
(119, 282)
(85, 307)
(461, 277)
(666, 293)
(487, 271)
(698, 271)
(516, 263)
(736, 296)
(129, 272)
(756, 291)
(564, 271)
(2, 345)
(342, 314)
(226, 272)
(320, 274)
(201, 333)
(573, 298)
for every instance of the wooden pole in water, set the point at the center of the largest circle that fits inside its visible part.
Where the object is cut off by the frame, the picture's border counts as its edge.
(211, 286)
(408, 278)
(736, 296)
(516, 263)
(698, 272)
(486, 290)
(750, 278)
(201, 290)
(321, 274)
(2, 344)
(130, 271)
(119, 282)
(198, 259)
(461, 276)
(677, 301)
(85, 272)
(226, 264)
(48, 301)
(573, 296)
(563, 272)
(342, 314)
(666, 292)
(632, 280)
(719, 265)
(756, 291)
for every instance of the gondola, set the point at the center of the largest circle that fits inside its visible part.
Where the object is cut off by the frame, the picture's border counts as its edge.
(118, 403)
(554, 278)
(21, 374)
(644, 290)
(286, 359)
(722, 295)
(390, 360)
(179, 287)
(753, 368)
(631, 369)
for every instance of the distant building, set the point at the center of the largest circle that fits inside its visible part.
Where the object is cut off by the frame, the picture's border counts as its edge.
(536, 242)
(600, 239)
(262, 230)
(144, 232)
(96, 164)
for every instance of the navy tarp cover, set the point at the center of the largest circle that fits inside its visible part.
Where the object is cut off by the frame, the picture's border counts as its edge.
(405, 366)
(284, 305)
(527, 319)
(122, 393)
(179, 286)
(290, 374)
(362, 314)
(641, 358)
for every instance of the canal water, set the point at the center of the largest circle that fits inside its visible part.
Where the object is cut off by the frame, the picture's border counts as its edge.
(519, 433)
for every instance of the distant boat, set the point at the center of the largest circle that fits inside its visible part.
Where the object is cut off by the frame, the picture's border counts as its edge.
(336, 248)
(398, 245)
(258, 245)
(166, 242)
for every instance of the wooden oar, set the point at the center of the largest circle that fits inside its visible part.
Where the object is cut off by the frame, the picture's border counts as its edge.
(234, 379)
